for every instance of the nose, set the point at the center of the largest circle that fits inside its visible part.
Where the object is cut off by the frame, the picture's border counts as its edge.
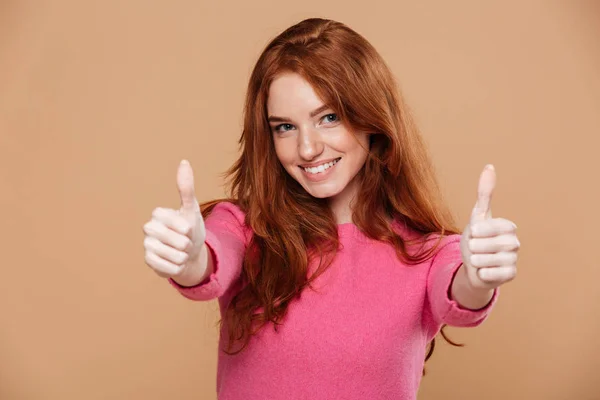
(310, 145)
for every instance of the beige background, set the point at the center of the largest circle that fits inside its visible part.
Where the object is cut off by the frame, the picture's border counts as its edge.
(100, 100)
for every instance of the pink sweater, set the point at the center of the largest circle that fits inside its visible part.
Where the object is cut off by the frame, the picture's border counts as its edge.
(361, 335)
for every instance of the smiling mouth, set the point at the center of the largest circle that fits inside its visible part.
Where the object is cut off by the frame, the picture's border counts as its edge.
(321, 168)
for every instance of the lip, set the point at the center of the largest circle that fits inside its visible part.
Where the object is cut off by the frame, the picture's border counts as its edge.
(322, 175)
(316, 164)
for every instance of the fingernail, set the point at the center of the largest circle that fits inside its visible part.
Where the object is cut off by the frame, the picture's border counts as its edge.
(473, 259)
(470, 244)
(481, 273)
(490, 166)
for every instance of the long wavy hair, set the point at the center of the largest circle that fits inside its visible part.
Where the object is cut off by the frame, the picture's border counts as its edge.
(290, 227)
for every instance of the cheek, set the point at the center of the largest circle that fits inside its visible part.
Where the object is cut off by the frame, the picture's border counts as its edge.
(364, 140)
(349, 142)
(358, 146)
(284, 151)
(360, 151)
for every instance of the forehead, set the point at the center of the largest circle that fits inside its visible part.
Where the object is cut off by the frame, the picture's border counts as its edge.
(291, 95)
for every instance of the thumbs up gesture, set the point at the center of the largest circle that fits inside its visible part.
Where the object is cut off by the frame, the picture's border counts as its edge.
(489, 246)
(174, 239)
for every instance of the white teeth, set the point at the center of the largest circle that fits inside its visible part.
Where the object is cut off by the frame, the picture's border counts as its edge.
(321, 168)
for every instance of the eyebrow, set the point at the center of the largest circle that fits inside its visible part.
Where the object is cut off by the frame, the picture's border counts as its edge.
(319, 110)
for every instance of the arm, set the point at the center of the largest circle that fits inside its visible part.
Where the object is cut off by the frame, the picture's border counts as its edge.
(227, 239)
(466, 273)
(444, 274)
(466, 295)
(488, 248)
(200, 258)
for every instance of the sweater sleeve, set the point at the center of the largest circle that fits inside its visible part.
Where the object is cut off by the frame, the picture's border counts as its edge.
(227, 238)
(442, 309)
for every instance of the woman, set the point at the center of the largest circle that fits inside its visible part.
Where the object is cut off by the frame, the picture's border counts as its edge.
(334, 261)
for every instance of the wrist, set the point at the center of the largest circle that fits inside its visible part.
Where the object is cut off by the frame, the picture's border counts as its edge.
(468, 295)
(195, 270)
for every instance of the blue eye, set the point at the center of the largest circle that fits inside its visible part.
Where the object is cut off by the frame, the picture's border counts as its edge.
(284, 127)
(331, 118)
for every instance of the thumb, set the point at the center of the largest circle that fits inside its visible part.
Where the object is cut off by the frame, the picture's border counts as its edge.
(487, 183)
(185, 185)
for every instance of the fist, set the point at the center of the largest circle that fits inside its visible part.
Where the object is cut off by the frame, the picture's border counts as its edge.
(174, 238)
(489, 246)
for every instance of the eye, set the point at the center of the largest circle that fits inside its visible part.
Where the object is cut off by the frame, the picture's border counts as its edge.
(283, 127)
(329, 118)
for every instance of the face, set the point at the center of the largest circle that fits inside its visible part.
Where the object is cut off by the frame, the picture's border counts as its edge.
(314, 146)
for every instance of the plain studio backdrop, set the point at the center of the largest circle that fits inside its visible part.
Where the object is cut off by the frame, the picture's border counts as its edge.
(99, 101)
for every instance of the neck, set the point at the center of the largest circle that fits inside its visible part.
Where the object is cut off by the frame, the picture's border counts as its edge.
(341, 204)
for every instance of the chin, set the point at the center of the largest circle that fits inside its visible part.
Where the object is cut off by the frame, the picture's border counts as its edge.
(321, 192)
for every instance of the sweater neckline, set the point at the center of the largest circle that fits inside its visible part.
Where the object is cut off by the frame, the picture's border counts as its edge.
(351, 229)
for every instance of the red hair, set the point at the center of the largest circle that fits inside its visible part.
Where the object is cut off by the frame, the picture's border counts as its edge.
(397, 182)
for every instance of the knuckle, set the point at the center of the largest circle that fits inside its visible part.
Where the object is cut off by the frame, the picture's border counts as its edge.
(474, 260)
(181, 224)
(158, 228)
(186, 227)
(162, 274)
(174, 256)
(183, 257)
(510, 226)
(472, 245)
(186, 244)
(155, 228)
(149, 259)
(507, 243)
(161, 228)
(512, 273)
(483, 274)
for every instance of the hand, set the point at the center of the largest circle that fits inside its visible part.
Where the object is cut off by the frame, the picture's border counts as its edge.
(174, 239)
(489, 246)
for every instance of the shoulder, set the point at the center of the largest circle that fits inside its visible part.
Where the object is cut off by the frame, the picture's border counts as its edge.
(433, 244)
(224, 209)
(434, 239)
(445, 248)
(445, 240)
(225, 214)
